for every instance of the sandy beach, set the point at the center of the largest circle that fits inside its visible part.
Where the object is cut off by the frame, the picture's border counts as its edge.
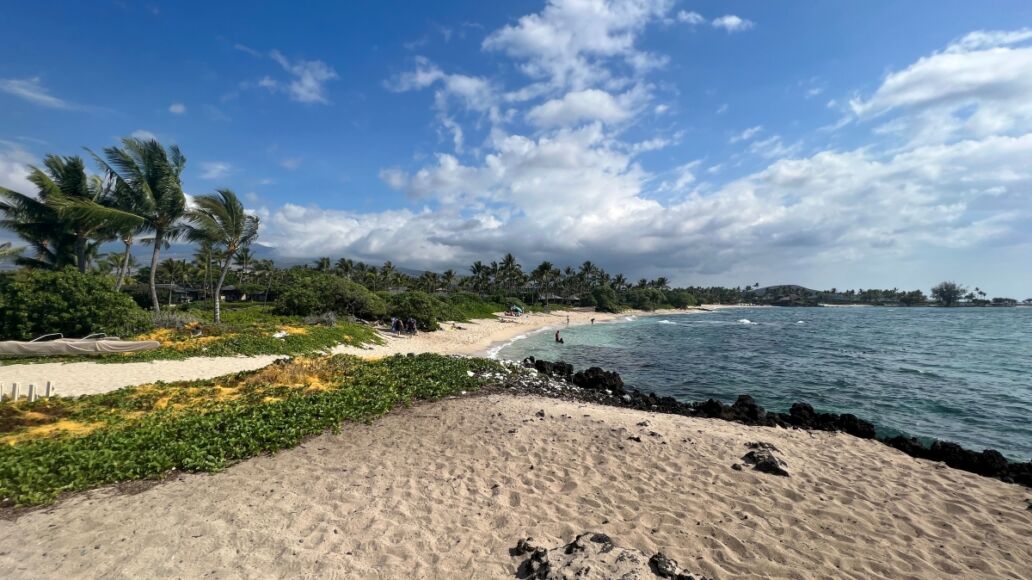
(462, 338)
(443, 490)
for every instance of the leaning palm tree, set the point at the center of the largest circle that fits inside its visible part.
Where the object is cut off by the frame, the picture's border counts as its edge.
(222, 220)
(59, 239)
(150, 175)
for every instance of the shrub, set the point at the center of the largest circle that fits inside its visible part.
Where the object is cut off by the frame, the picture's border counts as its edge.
(418, 305)
(647, 299)
(605, 299)
(682, 299)
(36, 302)
(305, 293)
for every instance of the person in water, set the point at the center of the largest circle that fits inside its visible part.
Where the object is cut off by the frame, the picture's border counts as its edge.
(558, 338)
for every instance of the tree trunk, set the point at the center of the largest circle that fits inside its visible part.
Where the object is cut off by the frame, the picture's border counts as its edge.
(218, 291)
(158, 236)
(124, 269)
(80, 252)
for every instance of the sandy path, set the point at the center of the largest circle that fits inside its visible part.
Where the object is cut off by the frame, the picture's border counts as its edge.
(87, 378)
(442, 490)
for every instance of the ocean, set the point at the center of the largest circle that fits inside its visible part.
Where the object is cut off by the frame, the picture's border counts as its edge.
(963, 375)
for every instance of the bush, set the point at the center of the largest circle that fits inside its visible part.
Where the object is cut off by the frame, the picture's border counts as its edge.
(647, 299)
(424, 308)
(308, 293)
(605, 299)
(682, 299)
(36, 302)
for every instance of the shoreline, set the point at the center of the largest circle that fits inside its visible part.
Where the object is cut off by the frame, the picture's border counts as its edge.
(473, 338)
(482, 336)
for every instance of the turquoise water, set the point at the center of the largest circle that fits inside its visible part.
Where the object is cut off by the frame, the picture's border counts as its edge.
(960, 374)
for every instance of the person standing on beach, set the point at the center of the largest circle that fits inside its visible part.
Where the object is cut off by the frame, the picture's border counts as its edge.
(593, 321)
(567, 321)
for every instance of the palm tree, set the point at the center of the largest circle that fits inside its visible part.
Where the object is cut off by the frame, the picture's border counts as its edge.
(345, 266)
(322, 264)
(661, 283)
(52, 221)
(428, 281)
(543, 277)
(244, 259)
(619, 283)
(172, 271)
(267, 268)
(478, 276)
(222, 220)
(145, 171)
(388, 273)
(203, 259)
(448, 279)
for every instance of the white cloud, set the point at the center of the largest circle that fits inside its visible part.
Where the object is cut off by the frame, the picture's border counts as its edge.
(577, 107)
(308, 82)
(977, 86)
(569, 43)
(144, 135)
(394, 177)
(774, 147)
(722, 109)
(247, 49)
(691, 18)
(290, 163)
(566, 199)
(732, 23)
(215, 169)
(33, 91)
(747, 134)
(983, 39)
(177, 108)
(14, 170)
(575, 189)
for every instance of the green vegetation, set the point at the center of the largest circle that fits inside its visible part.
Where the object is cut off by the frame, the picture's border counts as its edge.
(305, 292)
(36, 302)
(58, 445)
(221, 221)
(949, 293)
(249, 330)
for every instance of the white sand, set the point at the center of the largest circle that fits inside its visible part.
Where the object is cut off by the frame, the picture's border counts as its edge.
(443, 490)
(477, 337)
(468, 338)
(87, 378)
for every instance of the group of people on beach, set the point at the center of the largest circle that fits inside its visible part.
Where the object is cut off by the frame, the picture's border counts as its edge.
(399, 326)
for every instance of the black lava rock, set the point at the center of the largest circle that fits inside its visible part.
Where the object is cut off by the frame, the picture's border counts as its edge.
(597, 379)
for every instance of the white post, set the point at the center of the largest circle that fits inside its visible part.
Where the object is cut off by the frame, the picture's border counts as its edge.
(50, 389)
(32, 393)
(16, 392)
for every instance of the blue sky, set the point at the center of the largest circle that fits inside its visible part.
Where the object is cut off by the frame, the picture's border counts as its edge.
(830, 144)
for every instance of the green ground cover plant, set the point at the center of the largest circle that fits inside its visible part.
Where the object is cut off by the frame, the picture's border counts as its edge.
(59, 445)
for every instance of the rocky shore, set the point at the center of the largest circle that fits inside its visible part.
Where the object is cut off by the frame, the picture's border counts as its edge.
(596, 385)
